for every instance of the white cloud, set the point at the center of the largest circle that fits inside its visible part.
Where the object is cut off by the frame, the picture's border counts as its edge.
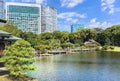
(71, 17)
(70, 3)
(44, 2)
(71, 14)
(41, 1)
(26, 0)
(94, 23)
(108, 4)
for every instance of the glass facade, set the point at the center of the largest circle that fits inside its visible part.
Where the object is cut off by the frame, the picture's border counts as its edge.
(25, 17)
(75, 27)
(48, 19)
(32, 17)
(2, 15)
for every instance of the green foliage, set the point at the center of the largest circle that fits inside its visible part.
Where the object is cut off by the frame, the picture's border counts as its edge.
(86, 34)
(98, 30)
(98, 48)
(105, 47)
(112, 47)
(82, 47)
(42, 47)
(19, 57)
(54, 43)
(91, 45)
(11, 28)
(109, 36)
(66, 45)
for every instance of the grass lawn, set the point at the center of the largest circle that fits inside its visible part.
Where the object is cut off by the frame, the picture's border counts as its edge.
(116, 49)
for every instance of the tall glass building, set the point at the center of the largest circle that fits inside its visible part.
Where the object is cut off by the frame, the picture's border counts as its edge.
(25, 16)
(75, 27)
(2, 15)
(48, 19)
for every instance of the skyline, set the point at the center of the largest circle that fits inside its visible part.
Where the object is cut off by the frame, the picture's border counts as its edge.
(100, 13)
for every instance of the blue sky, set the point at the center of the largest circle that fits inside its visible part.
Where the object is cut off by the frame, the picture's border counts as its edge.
(91, 13)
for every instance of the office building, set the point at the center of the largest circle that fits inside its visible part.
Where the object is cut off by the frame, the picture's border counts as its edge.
(2, 15)
(75, 27)
(32, 17)
(25, 16)
(48, 19)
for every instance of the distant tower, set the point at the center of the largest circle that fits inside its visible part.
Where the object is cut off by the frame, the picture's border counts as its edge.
(75, 27)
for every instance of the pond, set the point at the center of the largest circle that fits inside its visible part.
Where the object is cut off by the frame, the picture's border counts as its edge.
(85, 66)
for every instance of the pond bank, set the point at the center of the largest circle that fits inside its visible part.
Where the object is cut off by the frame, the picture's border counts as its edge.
(5, 77)
(116, 49)
(69, 51)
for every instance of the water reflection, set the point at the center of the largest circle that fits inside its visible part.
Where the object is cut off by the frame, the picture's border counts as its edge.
(86, 66)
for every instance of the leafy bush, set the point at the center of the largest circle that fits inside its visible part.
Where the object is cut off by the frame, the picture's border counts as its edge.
(82, 47)
(112, 47)
(91, 45)
(18, 58)
(106, 47)
(42, 47)
(97, 48)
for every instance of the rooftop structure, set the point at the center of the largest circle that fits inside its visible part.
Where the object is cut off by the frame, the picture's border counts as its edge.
(5, 39)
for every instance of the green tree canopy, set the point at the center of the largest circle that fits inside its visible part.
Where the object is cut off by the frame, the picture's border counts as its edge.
(19, 57)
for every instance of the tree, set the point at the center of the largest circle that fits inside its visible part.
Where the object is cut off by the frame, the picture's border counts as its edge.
(11, 28)
(55, 44)
(65, 37)
(98, 30)
(110, 36)
(19, 57)
(86, 34)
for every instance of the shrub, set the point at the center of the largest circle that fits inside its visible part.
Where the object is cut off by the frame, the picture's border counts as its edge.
(106, 47)
(91, 45)
(112, 47)
(18, 58)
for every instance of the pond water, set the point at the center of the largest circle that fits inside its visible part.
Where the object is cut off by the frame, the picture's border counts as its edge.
(85, 66)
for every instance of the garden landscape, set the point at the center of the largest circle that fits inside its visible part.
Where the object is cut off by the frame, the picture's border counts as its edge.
(59, 40)
(101, 57)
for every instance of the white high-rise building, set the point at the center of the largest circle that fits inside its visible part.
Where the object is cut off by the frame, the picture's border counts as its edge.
(32, 17)
(48, 19)
(2, 15)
